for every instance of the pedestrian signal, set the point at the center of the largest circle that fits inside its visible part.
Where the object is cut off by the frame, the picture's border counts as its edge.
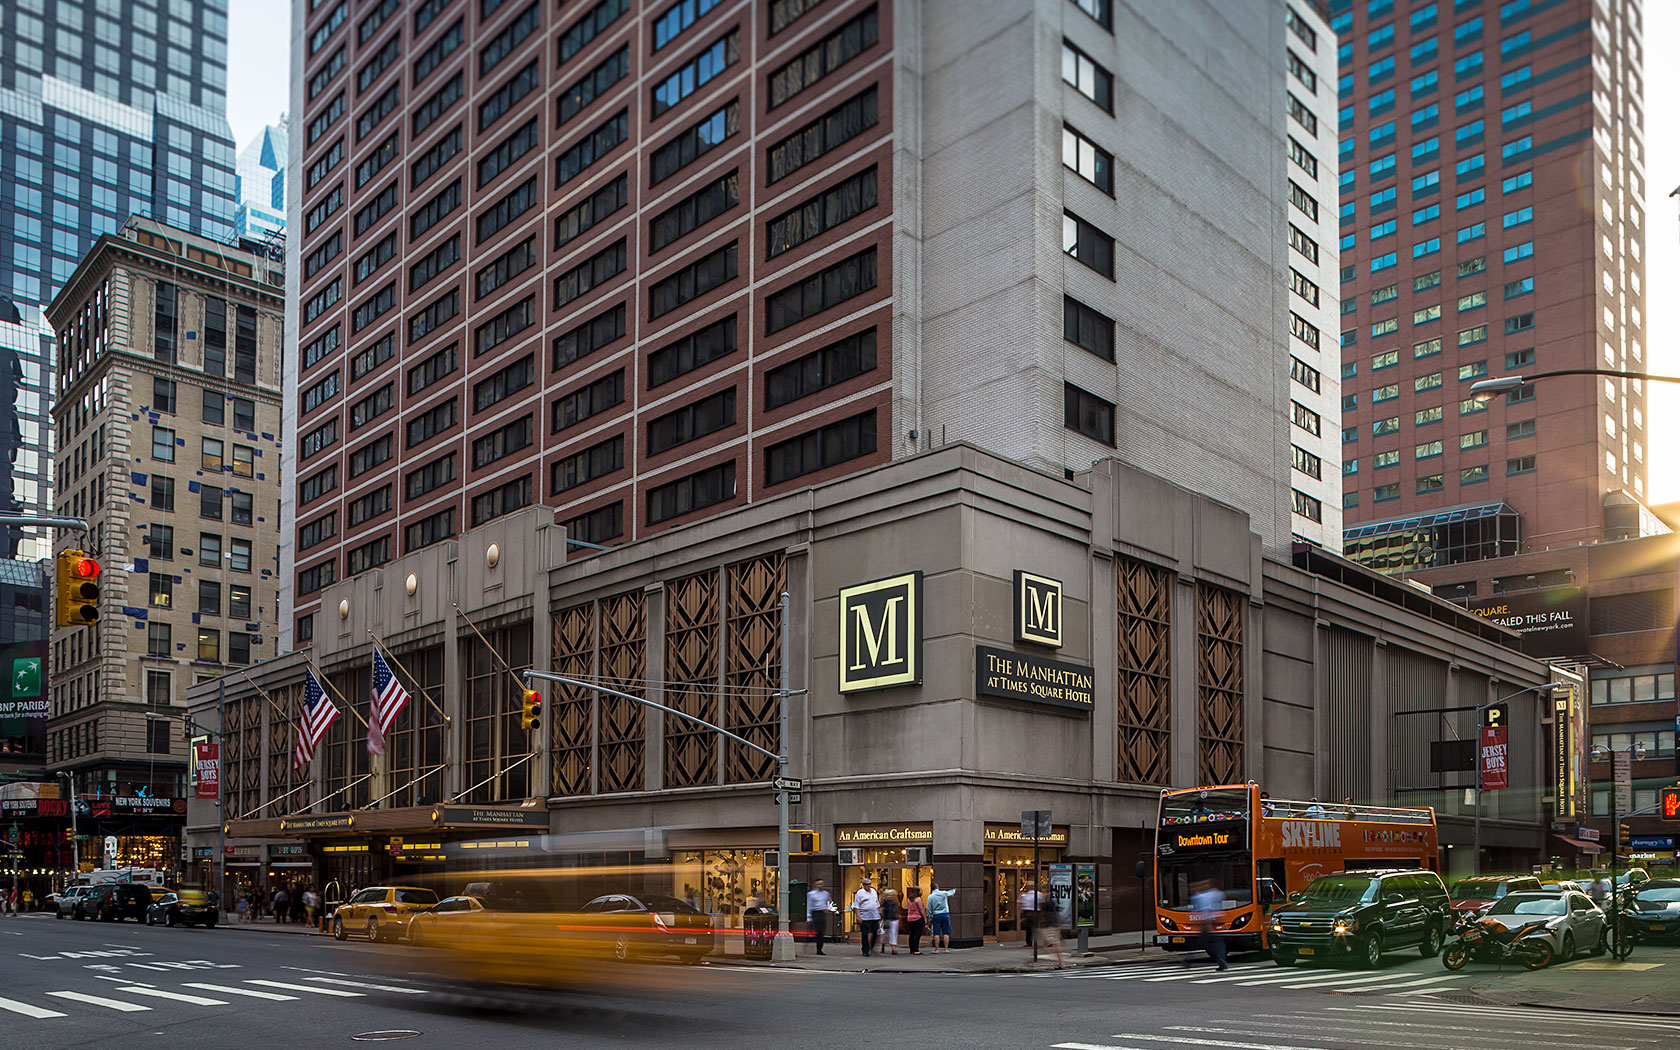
(803, 842)
(78, 589)
(530, 708)
(1668, 803)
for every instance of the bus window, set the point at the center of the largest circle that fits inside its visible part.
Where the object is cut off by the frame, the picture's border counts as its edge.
(1182, 876)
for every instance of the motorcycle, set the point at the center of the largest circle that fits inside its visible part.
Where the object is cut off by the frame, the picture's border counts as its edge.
(1489, 940)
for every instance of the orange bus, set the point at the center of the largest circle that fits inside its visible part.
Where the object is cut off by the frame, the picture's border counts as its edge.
(1256, 851)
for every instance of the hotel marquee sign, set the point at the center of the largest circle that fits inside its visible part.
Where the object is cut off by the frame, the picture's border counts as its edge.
(1038, 609)
(881, 633)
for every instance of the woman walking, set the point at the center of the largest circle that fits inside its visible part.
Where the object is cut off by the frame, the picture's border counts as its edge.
(915, 919)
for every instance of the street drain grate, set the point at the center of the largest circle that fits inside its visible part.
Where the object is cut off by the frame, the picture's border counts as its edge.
(1465, 999)
(380, 1037)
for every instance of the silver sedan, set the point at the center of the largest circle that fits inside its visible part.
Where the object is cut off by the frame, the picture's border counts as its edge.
(1574, 923)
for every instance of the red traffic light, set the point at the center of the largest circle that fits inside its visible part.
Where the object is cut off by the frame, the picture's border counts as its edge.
(86, 568)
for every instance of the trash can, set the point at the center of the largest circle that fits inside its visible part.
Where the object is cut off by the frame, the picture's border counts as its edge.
(758, 932)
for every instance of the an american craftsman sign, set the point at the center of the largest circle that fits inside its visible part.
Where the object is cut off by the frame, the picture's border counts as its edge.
(1018, 676)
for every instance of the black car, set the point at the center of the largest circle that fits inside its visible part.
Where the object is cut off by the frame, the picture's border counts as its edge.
(648, 924)
(113, 902)
(175, 909)
(1361, 914)
(1655, 908)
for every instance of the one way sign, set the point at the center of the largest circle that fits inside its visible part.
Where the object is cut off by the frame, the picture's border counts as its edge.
(788, 784)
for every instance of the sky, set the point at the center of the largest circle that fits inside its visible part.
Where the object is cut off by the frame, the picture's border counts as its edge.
(260, 32)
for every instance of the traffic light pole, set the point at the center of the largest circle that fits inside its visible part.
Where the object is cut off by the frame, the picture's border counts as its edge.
(782, 950)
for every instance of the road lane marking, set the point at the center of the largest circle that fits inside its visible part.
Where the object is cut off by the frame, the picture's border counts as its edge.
(1559, 1018)
(1377, 1032)
(1374, 979)
(1300, 976)
(1421, 981)
(94, 1000)
(1203, 971)
(251, 992)
(180, 997)
(307, 988)
(364, 984)
(27, 1009)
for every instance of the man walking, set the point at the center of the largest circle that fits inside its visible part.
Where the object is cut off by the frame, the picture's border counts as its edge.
(1028, 905)
(817, 905)
(867, 906)
(1205, 905)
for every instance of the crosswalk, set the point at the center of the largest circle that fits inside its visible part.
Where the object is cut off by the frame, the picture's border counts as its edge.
(136, 997)
(1263, 975)
(1411, 1024)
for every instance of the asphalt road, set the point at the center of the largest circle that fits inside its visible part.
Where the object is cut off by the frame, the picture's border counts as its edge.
(74, 984)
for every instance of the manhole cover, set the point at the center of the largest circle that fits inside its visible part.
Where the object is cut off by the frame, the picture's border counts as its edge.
(380, 1037)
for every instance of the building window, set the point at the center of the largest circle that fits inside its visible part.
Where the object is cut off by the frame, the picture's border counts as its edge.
(825, 56)
(693, 351)
(163, 444)
(571, 409)
(157, 640)
(703, 489)
(590, 274)
(821, 369)
(1092, 162)
(1089, 245)
(239, 554)
(430, 530)
(1519, 465)
(712, 271)
(1306, 462)
(210, 454)
(599, 525)
(1088, 414)
(498, 444)
(1097, 83)
(820, 449)
(1088, 329)
(583, 217)
(163, 492)
(503, 499)
(162, 590)
(700, 139)
(823, 135)
(821, 291)
(210, 502)
(160, 542)
(368, 556)
(695, 211)
(210, 549)
(1307, 506)
(691, 421)
(598, 461)
(696, 73)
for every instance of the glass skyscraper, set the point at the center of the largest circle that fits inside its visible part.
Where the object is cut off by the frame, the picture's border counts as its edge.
(260, 185)
(107, 108)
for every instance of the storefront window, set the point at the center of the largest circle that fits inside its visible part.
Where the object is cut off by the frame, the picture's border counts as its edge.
(723, 882)
(886, 868)
(1008, 870)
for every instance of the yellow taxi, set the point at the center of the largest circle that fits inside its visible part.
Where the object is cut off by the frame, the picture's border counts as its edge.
(380, 912)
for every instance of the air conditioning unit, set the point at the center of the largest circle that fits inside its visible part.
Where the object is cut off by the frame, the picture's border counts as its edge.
(850, 857)
(918, 855)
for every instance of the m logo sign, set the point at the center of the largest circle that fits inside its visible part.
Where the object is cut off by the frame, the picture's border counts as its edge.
(881, 634)
(1038, 609)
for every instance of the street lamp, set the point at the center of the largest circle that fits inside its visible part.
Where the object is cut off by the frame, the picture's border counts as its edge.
(1488, 389)
(1544, 690)
(1599, 753)
(193, 728)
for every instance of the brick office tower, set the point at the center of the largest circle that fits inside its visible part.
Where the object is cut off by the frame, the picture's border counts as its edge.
(167, 418)
(1493, 214)
(646, 261)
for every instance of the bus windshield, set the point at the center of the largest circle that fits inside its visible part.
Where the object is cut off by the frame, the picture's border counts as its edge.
(1204, 838)
(1182, 877)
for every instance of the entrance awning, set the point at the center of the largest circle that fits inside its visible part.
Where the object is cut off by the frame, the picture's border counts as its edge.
(1580, 845)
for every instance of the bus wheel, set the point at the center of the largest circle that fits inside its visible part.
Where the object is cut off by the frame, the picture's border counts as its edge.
(1283, 957)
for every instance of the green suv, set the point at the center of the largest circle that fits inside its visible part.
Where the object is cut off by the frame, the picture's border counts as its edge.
(1361, 914)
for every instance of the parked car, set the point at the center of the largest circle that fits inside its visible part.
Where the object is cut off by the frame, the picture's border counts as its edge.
(1655, 908)
(445, 923)
(181, 907)
(1362, 914)
(1477, 895)
(1562, 886)
(1573, 921)
(115, 901)
(381, 912)
(647, 925)
(67, 900)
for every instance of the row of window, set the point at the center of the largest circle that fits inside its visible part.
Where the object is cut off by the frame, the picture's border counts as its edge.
(212, 455)
(1429, 483)
(160, 643)
(160, 546)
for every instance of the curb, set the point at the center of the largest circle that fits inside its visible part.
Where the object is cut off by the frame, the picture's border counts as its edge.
(1675, 1012)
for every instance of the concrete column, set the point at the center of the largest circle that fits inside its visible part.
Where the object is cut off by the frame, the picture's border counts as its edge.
(1382, 723)
(454, 702)
(542, 659)
(654, 722)
(1183, 682)
(1105, 644)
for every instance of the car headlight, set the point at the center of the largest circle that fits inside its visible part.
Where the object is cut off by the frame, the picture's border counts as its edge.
(1276, 926)
(1344, 926)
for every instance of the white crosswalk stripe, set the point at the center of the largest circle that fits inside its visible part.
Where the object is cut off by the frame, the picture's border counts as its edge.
(27, 1009)
(251, 993)
(1266, 975)
(307, 988)
(1553, 1019)
(99, 1000)
(179, 997)
(364, 984)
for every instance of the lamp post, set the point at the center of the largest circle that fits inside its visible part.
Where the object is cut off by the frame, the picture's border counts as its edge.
(1543, 690)
(193, 728)
(75, 835)
(1488, 389)
(1599, 753)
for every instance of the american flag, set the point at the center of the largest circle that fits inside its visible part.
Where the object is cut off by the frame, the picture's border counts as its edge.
(388, 699)
(318, 716)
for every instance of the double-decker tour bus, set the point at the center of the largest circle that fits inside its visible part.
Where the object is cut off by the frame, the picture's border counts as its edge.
(1257, 850)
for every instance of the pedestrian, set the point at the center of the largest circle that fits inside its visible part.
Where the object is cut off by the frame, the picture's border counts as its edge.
(243, 908)
(939, 917)
(297, 907)
(818, 903)
(690, 898)
(12, 904)
(1205, 905)
(1029, 908)
(1599, 889)
(213, 901)
(311, 905)
(915, 919)
(1048, 929)
(282, 901)
(889, 919)
(867, 907)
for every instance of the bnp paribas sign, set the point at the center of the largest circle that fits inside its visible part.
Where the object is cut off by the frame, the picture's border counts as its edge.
(881, 633)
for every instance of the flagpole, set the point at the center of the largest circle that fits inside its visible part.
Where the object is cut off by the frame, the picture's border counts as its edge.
(517, 681)
(321, 676)
(284, 717)
(424, 694)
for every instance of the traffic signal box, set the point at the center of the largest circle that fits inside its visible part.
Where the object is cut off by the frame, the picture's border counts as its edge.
(530, 710)
(1624, 834)
(1668, 803)
(78, 589)
(803, 842)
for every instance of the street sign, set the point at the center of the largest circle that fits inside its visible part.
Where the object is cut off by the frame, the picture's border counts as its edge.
(794, 798)
(1623, 763)
(1035, 823)
(787, 784)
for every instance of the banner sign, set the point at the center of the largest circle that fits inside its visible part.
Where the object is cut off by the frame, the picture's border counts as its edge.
(881, 633)
(523, 818)
(209, 770)
(1019, 676)
(1495, 776)
(1552, 622)
(1061, 893)
(1084, 894)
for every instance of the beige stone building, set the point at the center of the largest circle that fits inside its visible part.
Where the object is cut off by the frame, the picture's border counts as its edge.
(167, 416)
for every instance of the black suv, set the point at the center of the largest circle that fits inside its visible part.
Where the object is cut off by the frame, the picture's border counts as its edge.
(1362, 914)
(116, 901)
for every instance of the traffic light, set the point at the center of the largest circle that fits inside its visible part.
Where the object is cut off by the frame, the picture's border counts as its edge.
(803, 842)
(1624, 834)
(186, 727)
(78, 589)
(530, 708)
(1668, 803)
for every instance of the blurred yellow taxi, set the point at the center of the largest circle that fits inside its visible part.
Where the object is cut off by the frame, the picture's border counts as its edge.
(380, 912)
